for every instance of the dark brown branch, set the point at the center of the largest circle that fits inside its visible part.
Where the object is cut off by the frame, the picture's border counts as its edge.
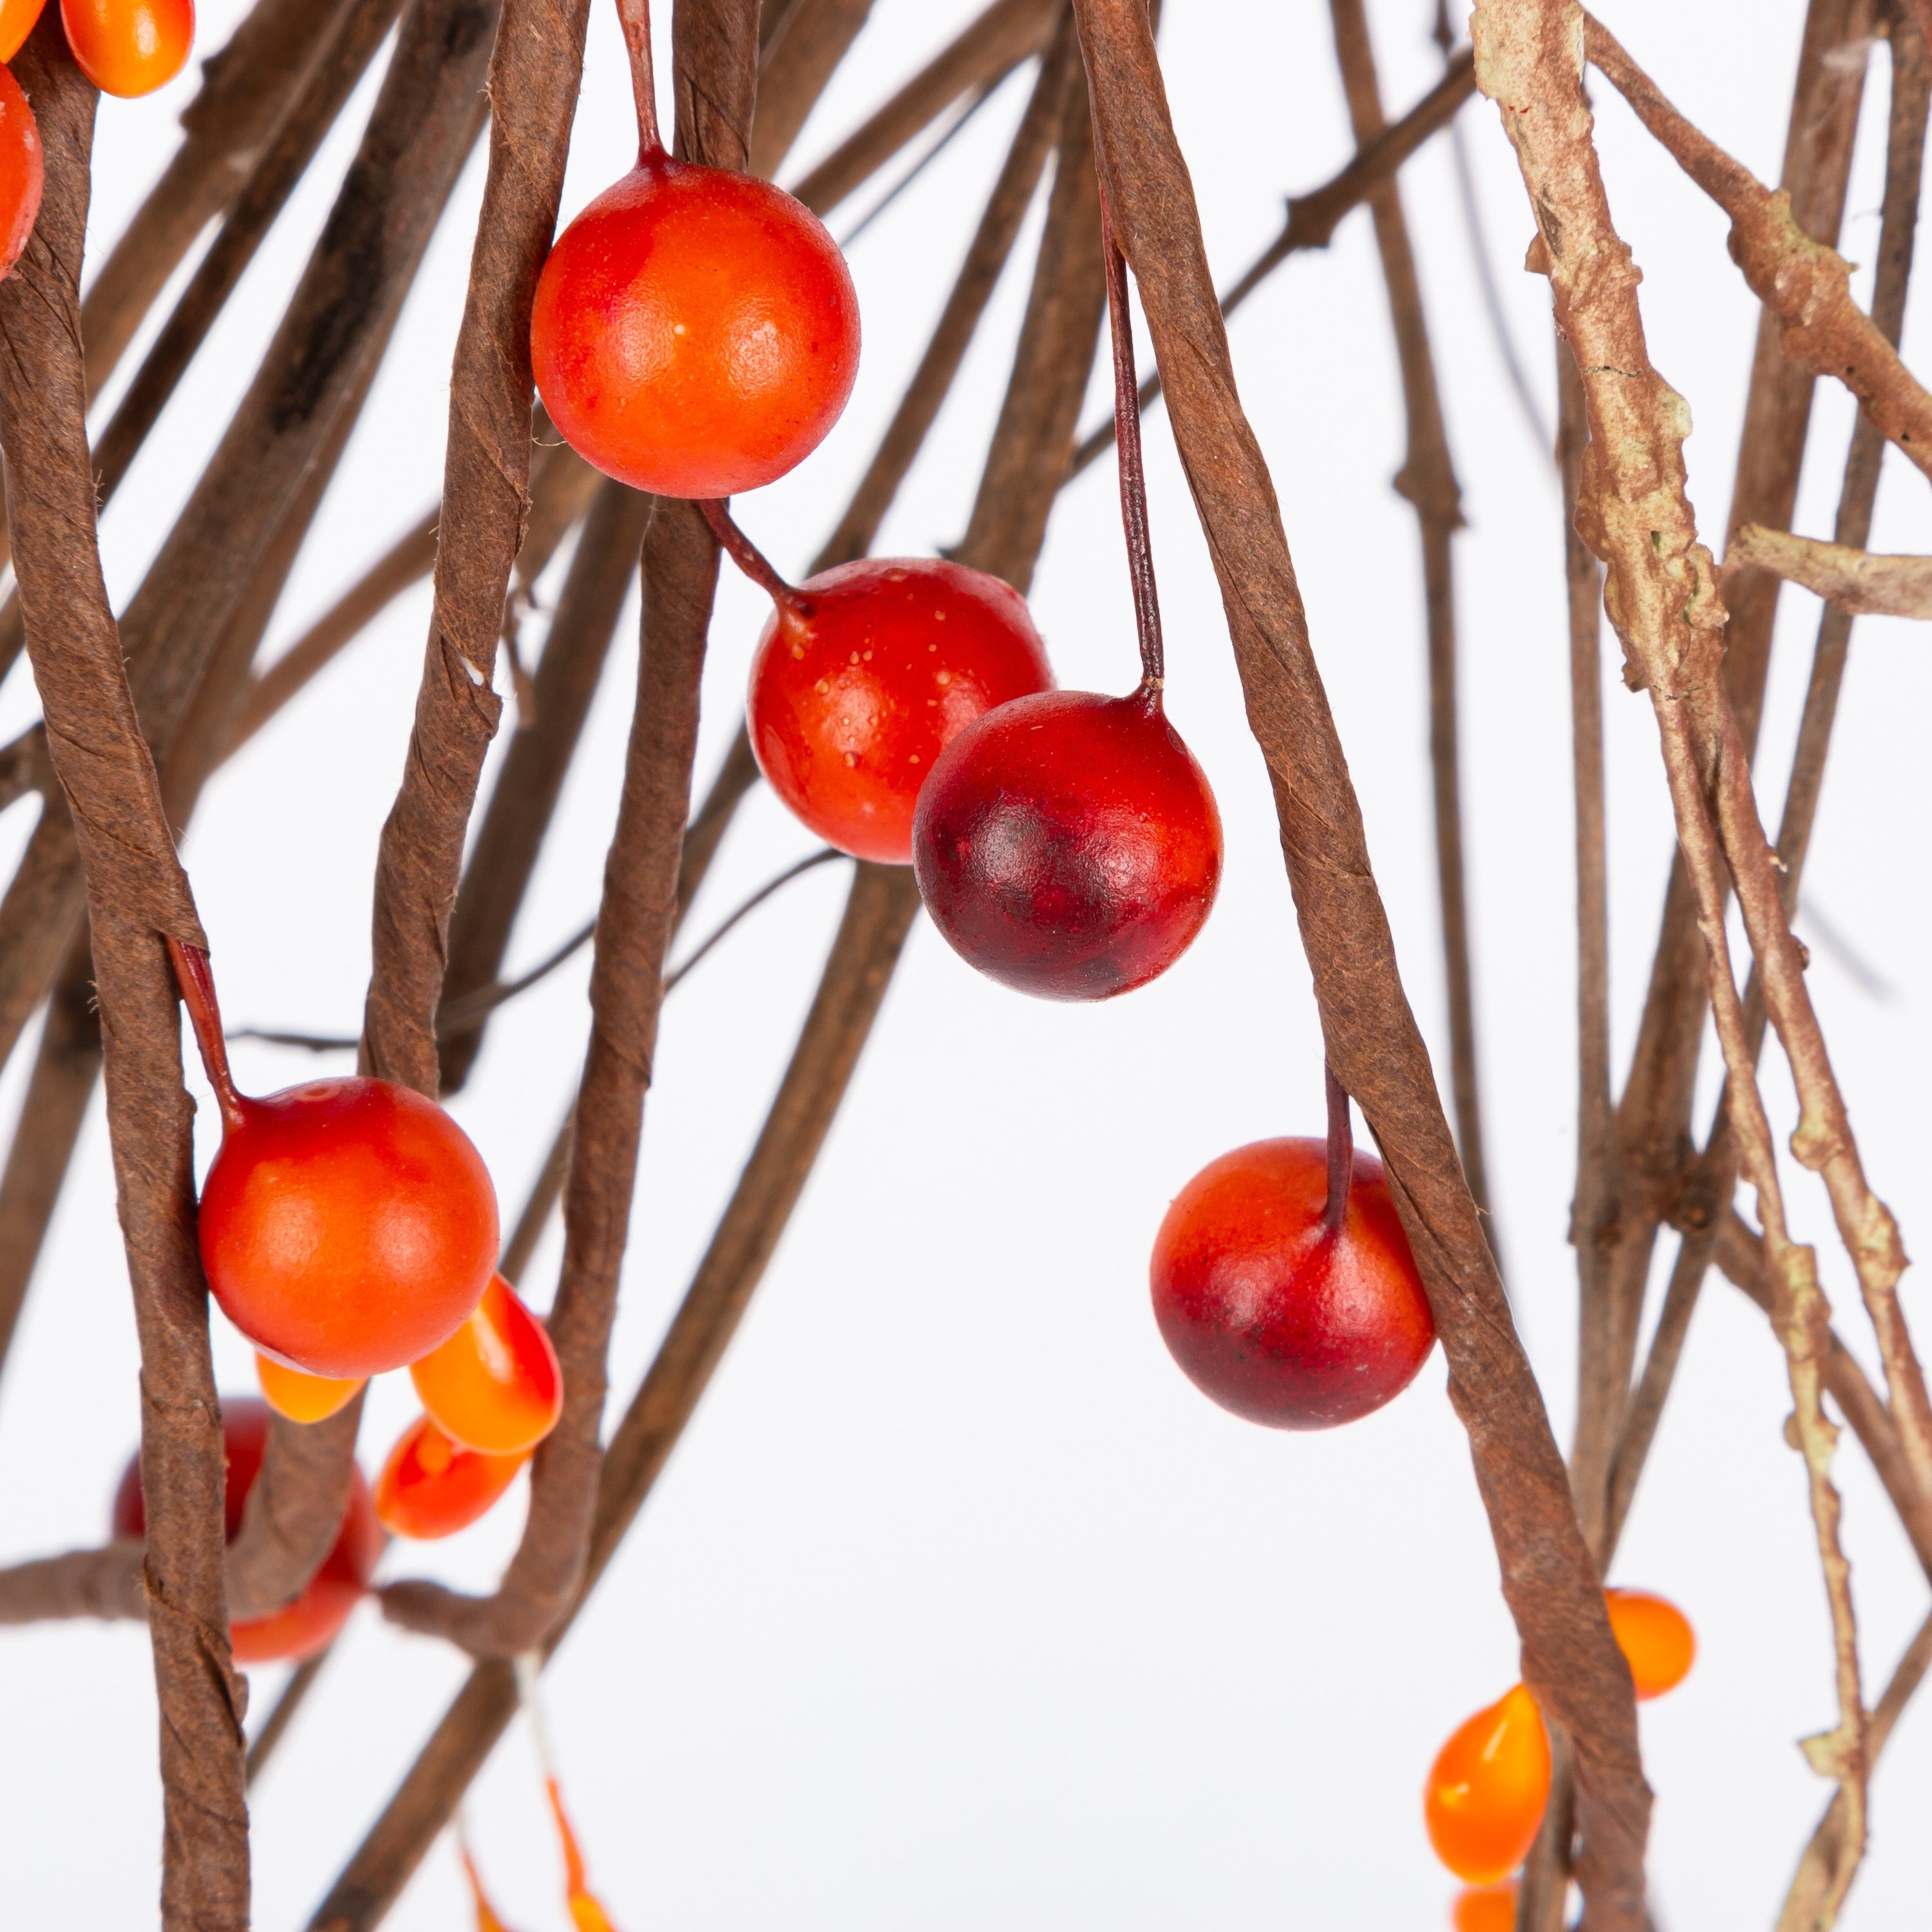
(1427, 478)
(799, 49)
(282, 1715)
(1058, 340)
(1570, 1658)
(418, 134)
(716, 79)
(137, 892)
(879, 913)
(1008, 32)
(534, 75)
(1312, 218)
(104, 1582)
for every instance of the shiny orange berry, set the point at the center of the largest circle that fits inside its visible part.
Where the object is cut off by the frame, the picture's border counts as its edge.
(21, 170)
(1484, 1800)
(494, 1386)
(18, 18)
(695, 331)
(1488, 1908)
(129, 47)
(303, 1398)
(431, 1487)
(1655, 1637)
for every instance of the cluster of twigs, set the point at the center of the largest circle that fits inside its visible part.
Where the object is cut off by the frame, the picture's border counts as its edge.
(137, 715)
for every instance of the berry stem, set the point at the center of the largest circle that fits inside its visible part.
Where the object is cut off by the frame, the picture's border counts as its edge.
(635, 17)
(196, 979)
(745, 554)
(1133, 467)
(1341, 1154)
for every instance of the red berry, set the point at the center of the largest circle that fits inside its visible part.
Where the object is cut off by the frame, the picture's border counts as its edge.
(432, 1487)
(495, 1384)
(1067, 845)
(311, 1622)
(868, 674)
(1273, 1315)
(21, 170)
(696, 332)
(129, 47)
(347, 1226)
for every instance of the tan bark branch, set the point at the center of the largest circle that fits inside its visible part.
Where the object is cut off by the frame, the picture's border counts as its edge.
(1662, 596)
(1854, 579)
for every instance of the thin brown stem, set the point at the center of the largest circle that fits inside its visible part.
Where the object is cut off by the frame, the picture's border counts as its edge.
(196, 981)
(1341, 1153)
(635, 17)
(746, 555)
(1133, 462)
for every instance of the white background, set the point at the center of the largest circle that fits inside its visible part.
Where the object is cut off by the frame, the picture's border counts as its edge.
(958, 1604)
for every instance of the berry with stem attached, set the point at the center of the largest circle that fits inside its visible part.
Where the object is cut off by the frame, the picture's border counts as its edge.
(22, 170)
(695, 331)
(1484, 1800)
(347, 1226)
(865, 673)
(495, 1384)
(1283, 1284)
(129, 47)
(432, 1487)
(311, 1622)
(1068, 844)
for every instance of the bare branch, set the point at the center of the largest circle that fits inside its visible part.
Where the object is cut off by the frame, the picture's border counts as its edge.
(1854, 579)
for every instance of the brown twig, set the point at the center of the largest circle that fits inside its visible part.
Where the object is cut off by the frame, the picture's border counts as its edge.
(1661, 594)
(1570, 1658)
(1858, 583)
(800, 48)
(716, 49)
(137, 892)
(1807, 283)
(1312, 218)
(1427, 478)
(1008, 32)
(1060, 334)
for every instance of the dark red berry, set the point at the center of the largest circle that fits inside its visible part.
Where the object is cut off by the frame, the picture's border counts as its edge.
(1277, 1316)
(1067, 845)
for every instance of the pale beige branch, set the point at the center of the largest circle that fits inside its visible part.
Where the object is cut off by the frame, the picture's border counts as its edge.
(1855, 581)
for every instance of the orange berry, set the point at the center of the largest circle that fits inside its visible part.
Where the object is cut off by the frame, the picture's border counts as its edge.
(430, 1486)
(1655, 1637)
(303, 1398)
(1486, 1790)
(129, 47)
(22, 168)
(18, 18)
(1489, 1908)
(495, 1385)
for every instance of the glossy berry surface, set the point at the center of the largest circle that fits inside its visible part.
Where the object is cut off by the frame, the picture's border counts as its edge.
(1067, 845)
(1487, 1789)
(431, 1487)
(1486, 1908)
(494, 1385)
(303, 1398)
(347, 1226)
(695, 332)
(1276, 1317)
(858, 686)
(18, 18)
(1655, 1637)
(129, 47)
(21, 170)
(311, 1622)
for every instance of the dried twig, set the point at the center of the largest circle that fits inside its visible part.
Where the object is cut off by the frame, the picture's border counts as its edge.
(1427, 478)
(1313, 217)
(1662, 596)
(137, 892)
(1570, 1658)
(800, 46)
(1858, 582)
(1807, 283)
